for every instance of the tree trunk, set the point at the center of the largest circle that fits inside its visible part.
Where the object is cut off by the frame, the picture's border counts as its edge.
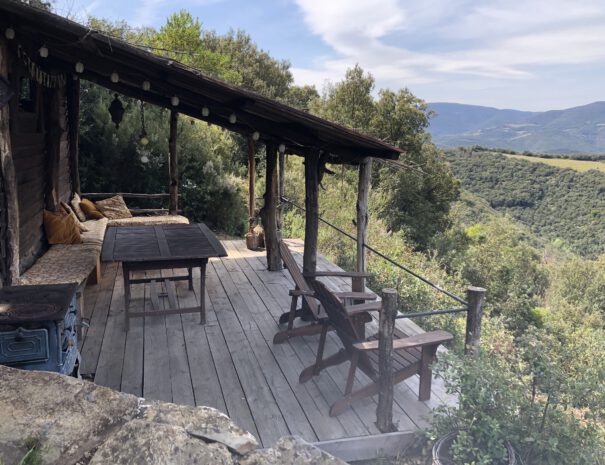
(312, 211)
(173, 187)
(269, 210)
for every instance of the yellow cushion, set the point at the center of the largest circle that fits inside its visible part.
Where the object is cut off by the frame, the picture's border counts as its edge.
(90, 210)
(61, 228)
(114, 208)
(69, 211)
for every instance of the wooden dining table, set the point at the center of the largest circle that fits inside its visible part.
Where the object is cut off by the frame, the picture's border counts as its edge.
(160, 247)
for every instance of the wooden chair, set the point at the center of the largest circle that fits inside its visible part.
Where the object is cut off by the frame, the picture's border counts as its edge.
(314, 314)
(412, 355)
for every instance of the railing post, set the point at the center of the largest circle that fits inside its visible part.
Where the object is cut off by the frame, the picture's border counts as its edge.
(475, 296)
(384, 411)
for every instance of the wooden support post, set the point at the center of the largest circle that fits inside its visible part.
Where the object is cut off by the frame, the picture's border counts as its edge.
(9, 207)
(269, 210)
(280, 190)
(173, 187)
(251, 183)
(384, 411)
(311, 211)
(73, 115)
(475, 296)
(55, 124)
(363, 195)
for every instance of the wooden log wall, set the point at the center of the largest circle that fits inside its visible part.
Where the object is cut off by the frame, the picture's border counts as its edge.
(40, 154)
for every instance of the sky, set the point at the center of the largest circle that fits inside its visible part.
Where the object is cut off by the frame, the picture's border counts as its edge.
(524, 54)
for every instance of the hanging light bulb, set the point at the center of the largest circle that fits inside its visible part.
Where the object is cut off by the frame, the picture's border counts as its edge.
(143, 141)
(9, 33)
(174, 100)
(79, 67)
(205, 111)
(115, 77)
(145, 159)
(146, 85)
(43, 51)
(232, 118)
(255, 135)
(281, 148)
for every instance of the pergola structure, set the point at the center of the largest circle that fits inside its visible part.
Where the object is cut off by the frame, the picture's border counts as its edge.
(53, 54)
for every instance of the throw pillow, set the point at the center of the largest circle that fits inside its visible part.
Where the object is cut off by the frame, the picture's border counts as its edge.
(114, 208)
(75, 205)
(90, 210)
(61, 228)
(69, 211)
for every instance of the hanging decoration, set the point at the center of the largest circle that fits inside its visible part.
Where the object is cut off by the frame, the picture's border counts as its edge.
(9, 33)
(79, 67)
(281, 148)
(116, 110)
(232, 118)
(38, 74)
(43, 51)
(146, 86)
(143, 140)
(174, 100)
(255, 136)
(114, 77)
(205, 111)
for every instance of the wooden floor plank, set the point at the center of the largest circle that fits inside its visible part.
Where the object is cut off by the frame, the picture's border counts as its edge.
(91, 345)
(267, 416)
(180, 375)
(156, 371)
(132, 371)
(111, 358)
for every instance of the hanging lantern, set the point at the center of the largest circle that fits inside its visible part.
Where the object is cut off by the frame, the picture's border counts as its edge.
(114, 77)
(145, 159)
(281, 148)
(255, 135)
(116, 110)
(9, 33)
(232, 118)
(79, 67)
(43, 51)
(174, 100)
(146, 85)
(205, 111)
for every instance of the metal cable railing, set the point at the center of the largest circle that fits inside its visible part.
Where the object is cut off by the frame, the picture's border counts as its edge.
(400, 266)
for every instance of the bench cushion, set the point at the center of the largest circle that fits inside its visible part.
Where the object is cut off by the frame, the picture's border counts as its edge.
(95, 233)
(149, 220)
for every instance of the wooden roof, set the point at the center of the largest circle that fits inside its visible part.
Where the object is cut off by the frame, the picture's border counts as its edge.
(69, 42)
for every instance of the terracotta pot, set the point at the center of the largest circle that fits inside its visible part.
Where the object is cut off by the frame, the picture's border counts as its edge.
(252, 241)
(442, 456)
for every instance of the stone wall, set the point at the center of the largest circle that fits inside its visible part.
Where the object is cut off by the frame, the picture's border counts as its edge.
(77, 422)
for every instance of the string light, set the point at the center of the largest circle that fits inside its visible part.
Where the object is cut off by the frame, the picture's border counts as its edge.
(146, 85)
(174, 101)
(9, 33)
(281, 148)
(255, 135)
(145, 159)
(44, 51)
(79, 67)
(205, 111)
(115, 77)
(232, 118)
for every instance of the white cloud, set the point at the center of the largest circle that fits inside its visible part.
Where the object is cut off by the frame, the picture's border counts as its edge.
(404, 42)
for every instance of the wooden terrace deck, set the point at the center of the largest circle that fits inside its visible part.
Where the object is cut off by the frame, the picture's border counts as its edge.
(231, 363)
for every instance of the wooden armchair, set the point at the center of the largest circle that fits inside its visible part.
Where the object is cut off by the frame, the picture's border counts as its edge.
(412, 355)
(314, 314)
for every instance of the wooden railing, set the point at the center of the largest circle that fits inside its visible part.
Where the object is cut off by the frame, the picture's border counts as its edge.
(162, 197)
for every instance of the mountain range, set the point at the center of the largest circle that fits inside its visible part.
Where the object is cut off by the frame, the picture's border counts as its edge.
(573, 130)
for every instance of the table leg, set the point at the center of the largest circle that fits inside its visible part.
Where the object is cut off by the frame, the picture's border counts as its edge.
(126, 273)
(203, 294)
(190, 270)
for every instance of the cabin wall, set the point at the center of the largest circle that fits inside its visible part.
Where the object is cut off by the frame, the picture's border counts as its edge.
(38, 129)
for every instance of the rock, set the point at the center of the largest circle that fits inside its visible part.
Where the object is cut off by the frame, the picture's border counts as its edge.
(202, 422)
(67, 416)
(150, 443)
(291, 450)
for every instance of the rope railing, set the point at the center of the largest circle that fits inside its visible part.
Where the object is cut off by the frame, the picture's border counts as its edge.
(398, 265)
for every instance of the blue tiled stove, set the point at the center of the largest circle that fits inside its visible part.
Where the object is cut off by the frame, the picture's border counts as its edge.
(38, 327)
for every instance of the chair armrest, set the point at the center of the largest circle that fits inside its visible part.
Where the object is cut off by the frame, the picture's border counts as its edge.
(425, 339)
(339, 274)
(356, 295)
(296, 292)
(362, 308)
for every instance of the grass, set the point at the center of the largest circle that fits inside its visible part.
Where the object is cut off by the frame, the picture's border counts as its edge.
(578, 165)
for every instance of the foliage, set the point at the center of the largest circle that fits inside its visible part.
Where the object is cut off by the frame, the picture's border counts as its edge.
(554, 203)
